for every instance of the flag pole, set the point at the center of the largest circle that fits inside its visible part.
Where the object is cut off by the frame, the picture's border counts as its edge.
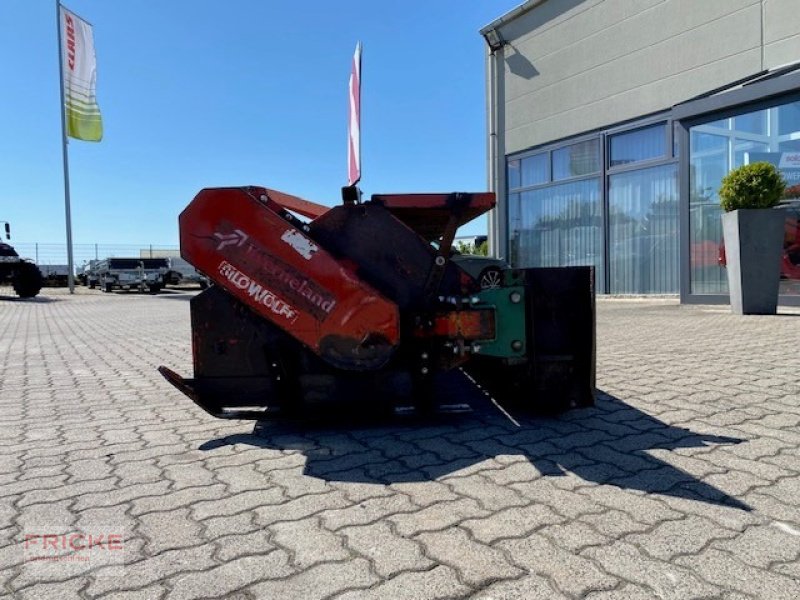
(67, 210)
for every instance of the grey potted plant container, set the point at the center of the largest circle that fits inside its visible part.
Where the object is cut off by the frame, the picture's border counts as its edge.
(753, 231)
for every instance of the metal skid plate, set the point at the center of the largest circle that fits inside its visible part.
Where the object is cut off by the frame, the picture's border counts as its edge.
(240, 360)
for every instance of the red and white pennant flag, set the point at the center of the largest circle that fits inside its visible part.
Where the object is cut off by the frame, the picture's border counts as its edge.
(354, 121)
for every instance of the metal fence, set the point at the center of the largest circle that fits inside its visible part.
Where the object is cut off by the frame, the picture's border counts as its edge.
(56, 254)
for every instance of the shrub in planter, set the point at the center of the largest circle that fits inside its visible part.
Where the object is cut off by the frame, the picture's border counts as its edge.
(753, 236)
(757, 185)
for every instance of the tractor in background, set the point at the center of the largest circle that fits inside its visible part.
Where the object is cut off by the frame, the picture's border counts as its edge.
(22, 274)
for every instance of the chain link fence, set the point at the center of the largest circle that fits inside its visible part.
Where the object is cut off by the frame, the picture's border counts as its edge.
(55, 255)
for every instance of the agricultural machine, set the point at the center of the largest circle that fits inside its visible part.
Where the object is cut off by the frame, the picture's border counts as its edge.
(363, 305)
(23, 275)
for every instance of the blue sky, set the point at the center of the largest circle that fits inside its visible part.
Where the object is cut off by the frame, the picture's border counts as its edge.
(208, 93)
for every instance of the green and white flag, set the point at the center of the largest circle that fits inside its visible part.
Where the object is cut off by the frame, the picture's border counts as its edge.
(79, 68)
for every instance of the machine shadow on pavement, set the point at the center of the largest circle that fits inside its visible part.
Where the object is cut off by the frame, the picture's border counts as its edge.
(607, 444)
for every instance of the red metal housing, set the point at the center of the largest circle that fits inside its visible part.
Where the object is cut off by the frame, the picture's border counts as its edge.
(238, 238)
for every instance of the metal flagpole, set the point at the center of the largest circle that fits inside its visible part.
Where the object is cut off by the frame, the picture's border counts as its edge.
(67, 211)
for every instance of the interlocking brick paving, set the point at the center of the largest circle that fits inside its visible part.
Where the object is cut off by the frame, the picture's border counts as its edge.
(683, 482)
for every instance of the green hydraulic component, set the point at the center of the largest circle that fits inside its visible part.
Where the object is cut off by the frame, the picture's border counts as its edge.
(509, 314)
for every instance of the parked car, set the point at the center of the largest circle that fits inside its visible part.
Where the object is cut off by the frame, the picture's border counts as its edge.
(132, 273)
(181, 273)
(55, 275)
(485, 269)
(88, 275)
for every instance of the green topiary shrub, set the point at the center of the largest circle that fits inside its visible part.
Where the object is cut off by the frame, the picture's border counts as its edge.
(757, 185)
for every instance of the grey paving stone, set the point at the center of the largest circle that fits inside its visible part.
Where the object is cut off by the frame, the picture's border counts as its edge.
(240, 523)
(724, 570)
(308, 542)
(367, 511)
(437, 516)
(233, 546)
(574, 535)
(229, 577)
(318, 582)
(613, 524)
(152, 592)
(477, 564)
(169, 530)
(571, 574)
(666, 580)
(62, 589)
(439, 583)
(388, 552)
(511, 522)
(424, 493)
(230, 504)
(642, 508)
(153, 569)
(627, 591)
(528, 587)
(189, 475)
(564, 502)
(674, 538)
(763, 545)
(488, 494)
(298, 508)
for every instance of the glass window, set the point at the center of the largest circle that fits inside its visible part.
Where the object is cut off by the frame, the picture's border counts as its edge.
(576, 160)
(560, 225)
(789, 118)
(641, 144)
(707, 166)
(514, 224)
(513, 175)
(746, 152)
(534, 170)
(771, 135)
(720, 124)
(643, 231)
(754, 122)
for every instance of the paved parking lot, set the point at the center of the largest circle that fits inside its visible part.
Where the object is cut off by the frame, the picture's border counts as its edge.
(683, 482)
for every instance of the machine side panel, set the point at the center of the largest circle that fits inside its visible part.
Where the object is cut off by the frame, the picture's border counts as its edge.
(272, 267)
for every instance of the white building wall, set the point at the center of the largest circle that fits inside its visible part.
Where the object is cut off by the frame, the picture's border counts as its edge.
(571, 66)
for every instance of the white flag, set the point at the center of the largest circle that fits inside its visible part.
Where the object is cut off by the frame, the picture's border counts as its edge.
(80, 78)
(354, 121)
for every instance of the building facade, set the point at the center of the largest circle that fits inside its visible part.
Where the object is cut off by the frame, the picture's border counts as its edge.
(612, 122)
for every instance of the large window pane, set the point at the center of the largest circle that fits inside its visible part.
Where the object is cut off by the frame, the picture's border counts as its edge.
(560, 225)
(642, 144)
(754, 122)
(708, 164)
(643, 236)
(534, 170)
(514, 224)
(576, 160)
(771, 135)
(746, 152)
(513, 174)
(788, 118)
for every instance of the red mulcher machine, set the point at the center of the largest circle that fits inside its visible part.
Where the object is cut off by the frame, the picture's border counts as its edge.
(362, 305)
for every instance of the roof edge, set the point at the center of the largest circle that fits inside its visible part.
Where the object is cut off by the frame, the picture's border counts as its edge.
(511, 15)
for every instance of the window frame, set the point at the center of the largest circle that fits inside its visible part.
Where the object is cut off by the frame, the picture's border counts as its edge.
(603, 135)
